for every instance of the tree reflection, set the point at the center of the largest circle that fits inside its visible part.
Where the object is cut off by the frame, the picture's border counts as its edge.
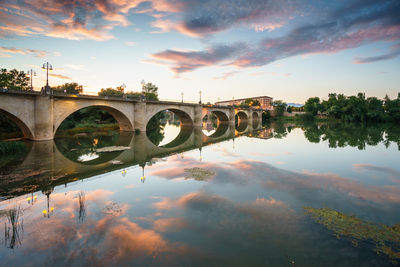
(354, 135)
(82, 147)
(155, 128)
(342, 135)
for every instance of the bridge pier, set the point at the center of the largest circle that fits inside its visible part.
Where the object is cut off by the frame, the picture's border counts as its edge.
(44, 117)
(40, 116)
(140, 116)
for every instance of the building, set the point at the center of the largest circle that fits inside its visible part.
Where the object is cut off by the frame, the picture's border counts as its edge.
(265, 101)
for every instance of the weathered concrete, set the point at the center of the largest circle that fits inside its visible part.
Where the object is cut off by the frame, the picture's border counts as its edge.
(40, 116)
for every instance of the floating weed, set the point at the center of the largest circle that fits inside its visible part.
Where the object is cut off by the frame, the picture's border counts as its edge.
(386, 238)
(199, 174)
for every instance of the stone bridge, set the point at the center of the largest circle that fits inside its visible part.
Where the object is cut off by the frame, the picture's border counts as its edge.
(39, 116)
(49, 164)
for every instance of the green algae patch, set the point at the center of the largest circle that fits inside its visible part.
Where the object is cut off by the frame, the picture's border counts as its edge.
(386, 238)
(199, 174)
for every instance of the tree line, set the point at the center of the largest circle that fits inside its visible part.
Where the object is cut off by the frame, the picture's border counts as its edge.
(354, 108)
(19, 80)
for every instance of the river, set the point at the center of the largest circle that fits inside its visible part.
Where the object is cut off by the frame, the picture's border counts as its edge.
(285, 195)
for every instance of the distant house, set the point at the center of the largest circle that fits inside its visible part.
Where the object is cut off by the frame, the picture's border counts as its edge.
(265, 101)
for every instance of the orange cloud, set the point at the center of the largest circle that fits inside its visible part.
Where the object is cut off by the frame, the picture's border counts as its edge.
(5, 51)
(59, 76)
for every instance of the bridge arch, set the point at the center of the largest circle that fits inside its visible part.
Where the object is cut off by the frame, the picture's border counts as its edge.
(123, 121)
(242, 116)
(222, 124)
(184, 115)
(256, 119)
(222, 115)
(242, 121)
(26, 131)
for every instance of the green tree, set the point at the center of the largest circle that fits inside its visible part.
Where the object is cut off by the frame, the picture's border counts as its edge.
(313, 105)
(133, 95)
(69, 88)
(289, 109)
(266, 116)
(14, 79)
(392, 108)
(279, 108)
(118, 92)
(249, 102)
(150, 91)
(375, 111)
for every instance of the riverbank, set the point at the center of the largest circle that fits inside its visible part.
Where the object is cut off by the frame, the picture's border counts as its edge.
(87, 128)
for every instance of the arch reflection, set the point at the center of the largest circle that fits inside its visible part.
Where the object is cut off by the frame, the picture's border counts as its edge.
(91, 149)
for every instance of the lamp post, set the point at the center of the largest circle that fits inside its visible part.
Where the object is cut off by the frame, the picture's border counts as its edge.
(200, 96)
(182, 96)
(47, 66)
(32, 73)
(49, 211)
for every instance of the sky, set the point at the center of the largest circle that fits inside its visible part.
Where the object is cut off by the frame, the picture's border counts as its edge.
(289, 50)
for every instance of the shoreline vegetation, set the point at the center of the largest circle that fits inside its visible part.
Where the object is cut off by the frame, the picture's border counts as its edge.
(340, 108)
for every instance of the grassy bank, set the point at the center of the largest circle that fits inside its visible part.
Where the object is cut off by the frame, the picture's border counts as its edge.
(302, 118)
(88, 128)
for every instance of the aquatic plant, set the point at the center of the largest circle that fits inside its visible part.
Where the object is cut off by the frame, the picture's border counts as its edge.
(13, 228)
(82, 206)
(386, 238)
(199, 174)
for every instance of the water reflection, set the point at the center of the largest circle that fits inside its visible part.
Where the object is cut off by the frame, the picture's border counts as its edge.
(83, 148)
(207, 200)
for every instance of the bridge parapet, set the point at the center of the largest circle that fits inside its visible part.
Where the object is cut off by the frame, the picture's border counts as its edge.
(39, 116)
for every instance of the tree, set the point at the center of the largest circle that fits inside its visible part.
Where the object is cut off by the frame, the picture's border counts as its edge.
(279, 108)
(112, 92)
(392, 108)
(289, 109)
(250, 103)
(133, 95)
(69, 88)
(312, 106)
(266, 116)
(150, 91)
(13, 79)
(375, 111)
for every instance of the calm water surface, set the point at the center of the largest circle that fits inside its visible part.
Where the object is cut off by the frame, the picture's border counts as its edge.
(314, 195)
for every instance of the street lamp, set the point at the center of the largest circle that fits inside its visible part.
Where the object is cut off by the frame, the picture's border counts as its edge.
(200, 96)
(32, 73)
(49, 211)
(182, 96)
(47, 67)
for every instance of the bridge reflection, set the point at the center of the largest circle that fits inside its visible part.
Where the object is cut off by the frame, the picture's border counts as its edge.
(52, 163)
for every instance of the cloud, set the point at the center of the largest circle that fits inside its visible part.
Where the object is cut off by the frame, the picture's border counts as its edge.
(185, 61)
(200, 18)
(6, 51)
(350, 26)
(76, 66)
(392, 173)
(130, 43)
(74, 20)
(395, 51)
(59, 76)
(225, 75)
(270, 73)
